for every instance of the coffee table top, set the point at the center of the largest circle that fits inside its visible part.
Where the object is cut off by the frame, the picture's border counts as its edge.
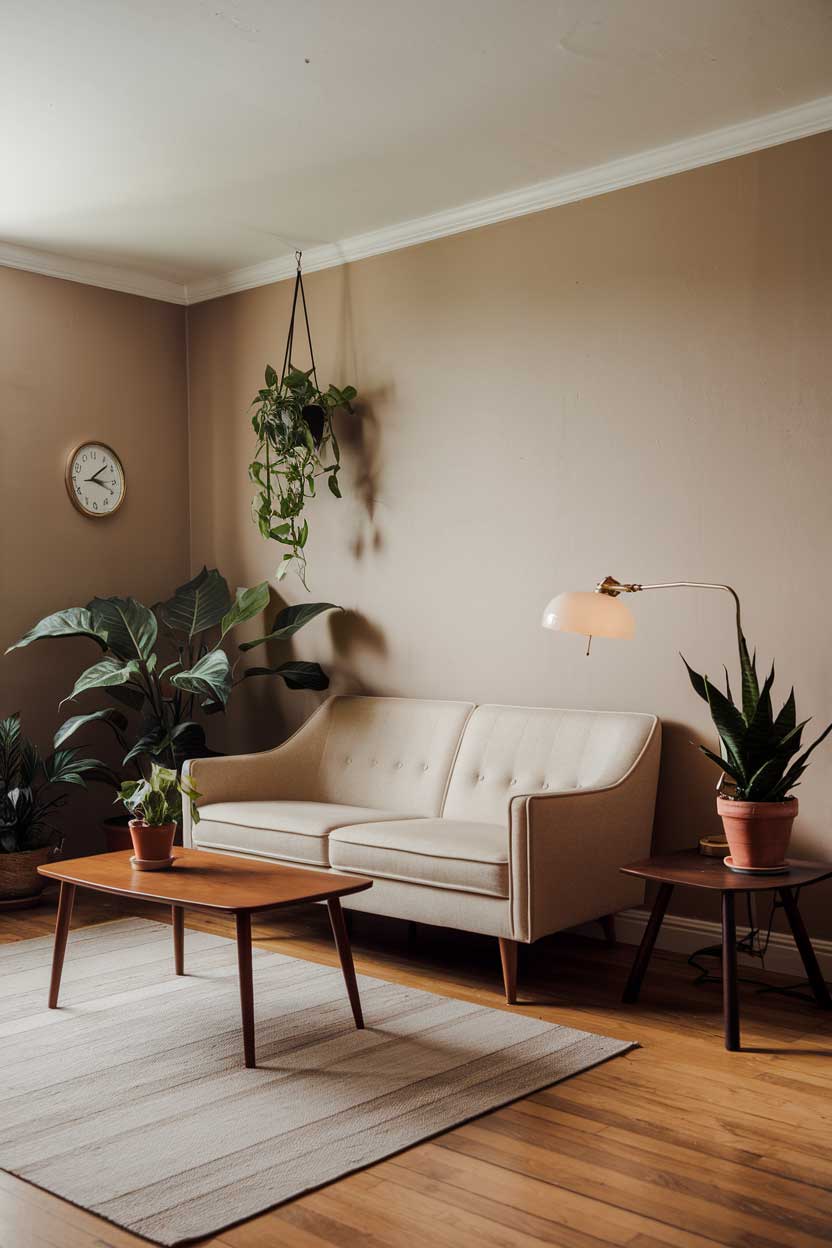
(689, 867)
(205, 881)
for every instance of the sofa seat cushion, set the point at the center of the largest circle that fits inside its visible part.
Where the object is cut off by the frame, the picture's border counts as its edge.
(293, 831)
(445, 853)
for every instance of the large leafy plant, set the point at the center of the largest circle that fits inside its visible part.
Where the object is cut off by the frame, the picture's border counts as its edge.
(296, 445)
(33, 788)
(158, 799)
(167, 667)
(758, 747)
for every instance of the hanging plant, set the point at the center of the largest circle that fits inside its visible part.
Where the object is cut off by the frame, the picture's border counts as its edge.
(296, 446)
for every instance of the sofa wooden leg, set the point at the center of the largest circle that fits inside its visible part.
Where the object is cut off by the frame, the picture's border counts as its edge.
(607, 922)
(508, 957)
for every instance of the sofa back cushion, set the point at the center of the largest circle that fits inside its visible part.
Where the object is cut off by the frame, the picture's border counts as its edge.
(389, 753)
(510, 750)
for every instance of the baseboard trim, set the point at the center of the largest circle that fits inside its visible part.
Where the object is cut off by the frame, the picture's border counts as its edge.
(683, 935)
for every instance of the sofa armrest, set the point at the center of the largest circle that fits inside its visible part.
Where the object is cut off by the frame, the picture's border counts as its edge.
(287, 772)
(566, 849)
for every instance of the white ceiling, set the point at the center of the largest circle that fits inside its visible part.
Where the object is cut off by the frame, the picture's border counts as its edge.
(184, 139)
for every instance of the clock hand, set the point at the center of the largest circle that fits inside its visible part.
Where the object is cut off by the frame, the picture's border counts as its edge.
(97, 474)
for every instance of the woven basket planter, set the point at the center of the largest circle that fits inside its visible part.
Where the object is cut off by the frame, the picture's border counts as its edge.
(19, 873)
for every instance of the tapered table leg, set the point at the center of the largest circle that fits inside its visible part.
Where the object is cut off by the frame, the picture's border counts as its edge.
(246, 983)
(65, 900)
(178, 916)
(508, 958)
(648, 940)
(730, 999)
(804, 945)
(342, 944)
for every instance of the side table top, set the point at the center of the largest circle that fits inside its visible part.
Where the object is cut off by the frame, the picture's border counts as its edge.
(205, 881)
(689, 867)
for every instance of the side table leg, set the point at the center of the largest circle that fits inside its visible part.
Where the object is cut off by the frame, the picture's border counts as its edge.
(246, 983)
(65, 900)
(648, 940)
(730, 999)
(178, 917)
(804, 945)
(342, 944)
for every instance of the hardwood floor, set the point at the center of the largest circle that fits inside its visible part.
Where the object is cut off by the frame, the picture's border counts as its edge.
(677, 1143)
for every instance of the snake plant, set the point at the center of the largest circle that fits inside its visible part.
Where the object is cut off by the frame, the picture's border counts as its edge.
(758, 747)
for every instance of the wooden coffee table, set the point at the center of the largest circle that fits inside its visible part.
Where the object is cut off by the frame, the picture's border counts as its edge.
(690, 869)
(219, 884)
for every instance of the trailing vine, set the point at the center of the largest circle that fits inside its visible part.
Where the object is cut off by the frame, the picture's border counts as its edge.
(296, 446)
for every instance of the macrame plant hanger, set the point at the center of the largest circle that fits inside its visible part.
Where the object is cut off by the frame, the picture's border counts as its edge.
(313, 414)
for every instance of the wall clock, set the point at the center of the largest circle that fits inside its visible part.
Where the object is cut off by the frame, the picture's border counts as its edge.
(95, 479)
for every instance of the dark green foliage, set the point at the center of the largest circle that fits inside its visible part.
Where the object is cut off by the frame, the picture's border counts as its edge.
(296, 444)
(758, 748)
(30, 787)
(167, 665)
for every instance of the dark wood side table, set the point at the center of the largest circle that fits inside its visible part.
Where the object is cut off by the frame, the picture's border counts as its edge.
(691, 869)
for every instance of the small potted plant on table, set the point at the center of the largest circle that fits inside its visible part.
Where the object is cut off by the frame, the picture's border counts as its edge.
(155, 805)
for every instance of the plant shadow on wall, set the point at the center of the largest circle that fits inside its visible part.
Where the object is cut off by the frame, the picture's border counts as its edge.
(167, 667)
(361, 434)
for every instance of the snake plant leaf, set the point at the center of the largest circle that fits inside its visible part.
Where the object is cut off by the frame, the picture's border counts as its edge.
(724, 764)
(247, 604)
(295, 674)
(800, 763)
(73, 622)
(197, 605)
(129, 626)
(210, 677)
(290, 620)
(729, 724)
(758, 736)
(750, 685)
(103, 675)
(110, 715)
(765, 780)
(696, 680)
(787, 717)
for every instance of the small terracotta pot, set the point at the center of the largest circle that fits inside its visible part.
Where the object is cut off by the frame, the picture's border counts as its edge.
(152, 844)
(19, 873)
(758, 833)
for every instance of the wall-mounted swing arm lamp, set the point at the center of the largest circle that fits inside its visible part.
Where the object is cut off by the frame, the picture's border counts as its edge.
(600, 614)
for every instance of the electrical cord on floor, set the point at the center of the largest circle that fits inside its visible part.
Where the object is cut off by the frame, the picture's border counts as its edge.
(754, 945)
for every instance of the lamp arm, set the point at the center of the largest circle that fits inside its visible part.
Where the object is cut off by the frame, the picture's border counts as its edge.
(613, 587)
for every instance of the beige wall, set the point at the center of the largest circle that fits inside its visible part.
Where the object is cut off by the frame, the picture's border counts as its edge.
(77, 362)
(638, 384)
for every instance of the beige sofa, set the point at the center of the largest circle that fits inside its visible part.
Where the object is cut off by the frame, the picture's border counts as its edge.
(506, 820)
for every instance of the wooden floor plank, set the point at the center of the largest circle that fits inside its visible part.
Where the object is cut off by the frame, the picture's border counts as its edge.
(679, 1144)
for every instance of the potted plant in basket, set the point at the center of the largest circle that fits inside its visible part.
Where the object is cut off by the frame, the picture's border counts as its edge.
(31, 790)
(758, 750)
(156, 808)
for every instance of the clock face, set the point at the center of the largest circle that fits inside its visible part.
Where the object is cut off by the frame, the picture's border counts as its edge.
(95, 479)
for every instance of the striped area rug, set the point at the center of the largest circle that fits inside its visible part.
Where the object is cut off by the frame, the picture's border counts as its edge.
(131, 1100)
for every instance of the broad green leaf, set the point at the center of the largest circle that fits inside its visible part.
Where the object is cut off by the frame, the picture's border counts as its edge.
(247, 604)
(103, 675)
(334, 486)
(291, 620)
(128, 695)
(64, 767)
(197, 605)
(116, 719)
(210, 677)
(270, 377)
(74, 622)
(129, 626)
(295, 674)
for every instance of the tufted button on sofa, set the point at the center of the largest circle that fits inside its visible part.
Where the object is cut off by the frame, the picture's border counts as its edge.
(511, 821)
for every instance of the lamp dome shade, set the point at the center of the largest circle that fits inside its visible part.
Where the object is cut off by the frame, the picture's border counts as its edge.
(593, 614)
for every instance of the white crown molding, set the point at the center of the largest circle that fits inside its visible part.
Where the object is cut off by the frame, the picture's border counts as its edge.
(659, 162)
(683, 935)
(91, 273)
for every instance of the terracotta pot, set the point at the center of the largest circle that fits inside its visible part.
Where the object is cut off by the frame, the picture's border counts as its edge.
(152, 844)
(19, 873)
(758, 833)
(117, 834)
